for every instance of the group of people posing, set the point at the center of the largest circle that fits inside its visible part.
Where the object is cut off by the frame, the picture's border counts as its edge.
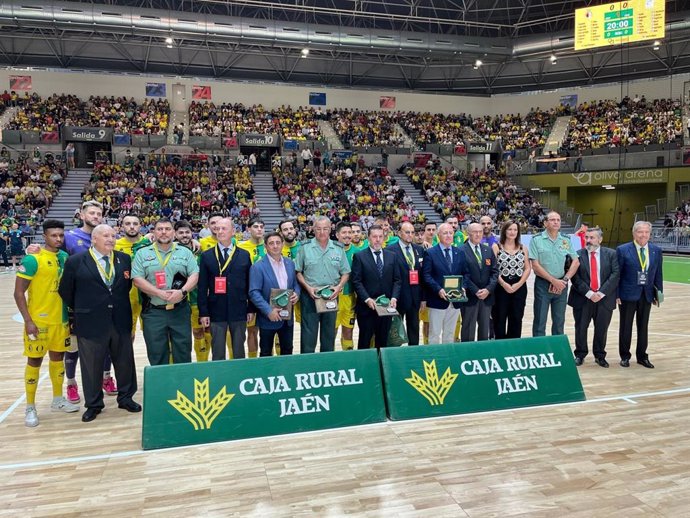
(216, 293)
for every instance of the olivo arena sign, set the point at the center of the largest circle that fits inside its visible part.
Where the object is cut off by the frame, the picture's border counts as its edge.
(627, 177)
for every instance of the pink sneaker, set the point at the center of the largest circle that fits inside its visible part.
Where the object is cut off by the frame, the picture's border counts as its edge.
(109, 386)
(73, 394)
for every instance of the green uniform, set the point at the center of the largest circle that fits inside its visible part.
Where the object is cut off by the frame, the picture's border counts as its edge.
(291, 251)
(390, 240)
(167, 329)
(321, 267)
(458, 239)
(551, 253)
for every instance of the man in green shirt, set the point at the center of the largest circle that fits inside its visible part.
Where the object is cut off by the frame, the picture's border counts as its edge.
(166, 272)
(346, 300)
(359, 242)
(320, 263)
(548, 253)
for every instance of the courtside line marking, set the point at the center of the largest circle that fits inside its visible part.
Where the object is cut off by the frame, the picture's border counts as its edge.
(669, 334)
(133, 453)
(19, 401)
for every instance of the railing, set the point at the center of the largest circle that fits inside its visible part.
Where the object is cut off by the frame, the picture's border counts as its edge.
(651, 212)
(673, 239)
(639, 216)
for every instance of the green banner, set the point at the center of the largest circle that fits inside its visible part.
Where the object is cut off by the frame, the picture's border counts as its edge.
(479, 376)
(218, 401)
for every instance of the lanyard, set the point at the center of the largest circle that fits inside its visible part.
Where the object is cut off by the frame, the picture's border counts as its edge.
(163, 263)
(643, 264)
(410, 260)
(221, 269)
(107, 276)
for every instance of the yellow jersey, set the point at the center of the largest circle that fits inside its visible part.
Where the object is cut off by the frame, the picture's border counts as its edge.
(208, 242)
(291, 251)
(126, 246)
(256, 252)
(44, 270)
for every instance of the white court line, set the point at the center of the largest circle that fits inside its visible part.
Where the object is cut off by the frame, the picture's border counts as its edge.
(132, 453)
(679, 335)
(19, 401)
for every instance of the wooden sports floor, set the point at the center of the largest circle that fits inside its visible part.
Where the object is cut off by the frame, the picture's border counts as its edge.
(623, 452)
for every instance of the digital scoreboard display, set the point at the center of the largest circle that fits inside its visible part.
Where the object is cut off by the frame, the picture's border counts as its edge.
(619, 22)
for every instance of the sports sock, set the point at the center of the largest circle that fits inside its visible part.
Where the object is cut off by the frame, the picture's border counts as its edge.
(200, 349)
(71, 365)
(57, 376)
(346, 344)
(31, 383)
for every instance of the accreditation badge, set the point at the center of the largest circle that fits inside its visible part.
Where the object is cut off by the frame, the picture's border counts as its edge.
(641, 278)
(220, 286)
(414, 277)
(161, 282)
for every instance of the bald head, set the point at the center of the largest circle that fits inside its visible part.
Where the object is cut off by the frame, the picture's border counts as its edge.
(406, 232)
(103, 238)
(475, 232)
(445, 234)
(224, 231)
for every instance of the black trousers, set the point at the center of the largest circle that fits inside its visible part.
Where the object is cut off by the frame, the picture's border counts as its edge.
(267, 337)
(583, 316)
(639, 311)
(508, 308)
(91, 355)
(372, 325)
(411, 317)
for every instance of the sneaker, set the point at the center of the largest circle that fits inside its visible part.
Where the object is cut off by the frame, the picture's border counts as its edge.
(62, 405)
(73, 394)
(109, 386)
(31, 417)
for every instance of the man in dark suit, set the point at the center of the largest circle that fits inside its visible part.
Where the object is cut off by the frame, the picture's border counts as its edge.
(273, 271)
(224, 292)
(442, 260)
(96, 284)
(480, 284)
(375, 273)
(593, 295)
(410, 258)
(640, 286)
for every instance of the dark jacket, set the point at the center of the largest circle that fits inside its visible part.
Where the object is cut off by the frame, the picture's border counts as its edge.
(366, 281)
(411, 297)
(231, 306)
(629, 264)
(434, 268)
(609, 274)
(480, 276)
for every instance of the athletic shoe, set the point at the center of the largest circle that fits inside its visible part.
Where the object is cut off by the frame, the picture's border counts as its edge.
(109, 386)
(31, 417)
(73, 394)
(62, 405)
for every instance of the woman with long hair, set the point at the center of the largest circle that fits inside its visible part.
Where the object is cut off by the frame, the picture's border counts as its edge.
(512, 259)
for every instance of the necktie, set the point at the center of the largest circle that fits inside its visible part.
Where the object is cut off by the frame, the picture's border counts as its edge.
(642, 256)
(225, 255)
(477, 253)
(410, 257)
(593, 274)
(379, 262)
(108, 279)
(448, 259)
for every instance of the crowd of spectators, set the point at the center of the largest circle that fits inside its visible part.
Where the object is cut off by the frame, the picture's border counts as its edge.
(366, 128)
(516, 131)
(165, 186)
(679, 221)
(28, 184)
(348, 191)
(631, 121)
(120, 114)
(427, 128)
(471, 195)
(229, 120)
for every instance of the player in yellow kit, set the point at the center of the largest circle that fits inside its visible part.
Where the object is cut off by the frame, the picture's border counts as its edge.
(45, 319)
(256, 249)
(345, 318)
(131, 225)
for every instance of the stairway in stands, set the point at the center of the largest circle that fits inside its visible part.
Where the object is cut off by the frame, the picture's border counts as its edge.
(418, 199)
(267, 200)
(329, 134)
(558, 133)
(69, 196)
(177, 118)
(407, 140)
(7, 117)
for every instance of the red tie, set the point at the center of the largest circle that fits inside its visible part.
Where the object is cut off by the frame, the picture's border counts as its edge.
(593, 275)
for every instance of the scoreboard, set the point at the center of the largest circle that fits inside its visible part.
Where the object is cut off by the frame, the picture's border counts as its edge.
(619, 22)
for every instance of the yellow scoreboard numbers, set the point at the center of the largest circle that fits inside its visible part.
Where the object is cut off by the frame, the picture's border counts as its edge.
(619, 22)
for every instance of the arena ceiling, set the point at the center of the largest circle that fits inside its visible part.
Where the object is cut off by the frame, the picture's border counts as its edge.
(420, 45)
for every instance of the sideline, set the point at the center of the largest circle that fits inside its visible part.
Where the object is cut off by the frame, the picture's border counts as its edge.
(629, 398)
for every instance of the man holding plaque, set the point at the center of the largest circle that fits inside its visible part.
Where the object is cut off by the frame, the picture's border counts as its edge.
(274, 290)
(641, 285)
(224, 291)
(322, 271)
(480, 283)
(376, 280)
(442, 271)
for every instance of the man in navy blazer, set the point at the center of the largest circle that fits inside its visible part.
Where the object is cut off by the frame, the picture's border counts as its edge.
(641, 282)
(224, 292)
(412, 296)
(375, 273)
(480, 284)
(593, 296)
(273, 271)
(439, 261)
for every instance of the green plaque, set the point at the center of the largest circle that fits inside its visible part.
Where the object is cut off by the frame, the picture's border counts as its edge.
(452, 284)
(479, 376)
(205, 402)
